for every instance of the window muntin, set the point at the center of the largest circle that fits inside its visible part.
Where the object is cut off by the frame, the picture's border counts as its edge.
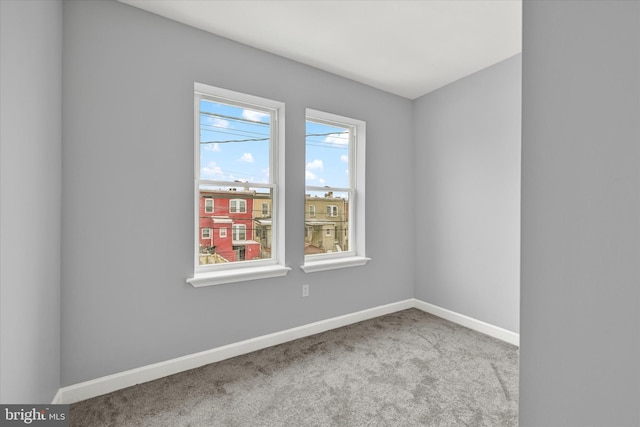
(206, 233)
(239, 146)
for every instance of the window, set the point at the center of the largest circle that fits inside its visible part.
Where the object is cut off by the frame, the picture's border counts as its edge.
(239, 232)
(239, 148)
(265, 209)
(208, 205)
(238, 206)
(332, 210)
(334, 175)
(206, 233)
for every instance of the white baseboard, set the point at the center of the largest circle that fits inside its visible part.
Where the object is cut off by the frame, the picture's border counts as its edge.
(469, 322)
(99, 386)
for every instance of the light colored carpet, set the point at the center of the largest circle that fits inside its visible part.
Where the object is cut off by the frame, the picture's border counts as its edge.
(404, 369)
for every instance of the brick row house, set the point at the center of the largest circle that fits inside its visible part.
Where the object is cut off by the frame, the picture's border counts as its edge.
(227, 226)
(326, 221)
(236, 225)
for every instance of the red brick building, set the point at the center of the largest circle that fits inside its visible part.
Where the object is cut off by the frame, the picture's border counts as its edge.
(227, 226)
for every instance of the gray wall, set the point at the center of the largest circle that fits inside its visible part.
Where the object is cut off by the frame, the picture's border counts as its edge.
(128, 193)
(580, 357)
(467, 173)
(30, 186)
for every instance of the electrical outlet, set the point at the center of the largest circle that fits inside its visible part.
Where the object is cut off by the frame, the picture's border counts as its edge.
(305, 290)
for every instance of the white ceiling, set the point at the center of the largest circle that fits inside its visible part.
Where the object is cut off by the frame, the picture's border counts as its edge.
(404, 47)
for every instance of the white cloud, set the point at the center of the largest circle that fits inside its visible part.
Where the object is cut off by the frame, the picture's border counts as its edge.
(344, 158)
(211, 170)
(217, 122)
(321, 181)
(247, 157)
(337, 138)
(310, 175)
(212, 147)
(315, 165)
(255, 115)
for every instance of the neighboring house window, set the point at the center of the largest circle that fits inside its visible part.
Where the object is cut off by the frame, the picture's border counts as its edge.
(239, 232)
(223, 232)
(332, 210)
(208, 205)
(265, 209)
(312, 210)
(206, 233)
(239, 159)
(335, 179)
(238, 205)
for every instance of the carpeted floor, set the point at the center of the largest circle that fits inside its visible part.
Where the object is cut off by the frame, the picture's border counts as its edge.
(404, 369)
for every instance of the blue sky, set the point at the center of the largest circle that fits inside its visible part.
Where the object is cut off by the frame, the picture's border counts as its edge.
(234, 143)
(327, 156)
(235, 146)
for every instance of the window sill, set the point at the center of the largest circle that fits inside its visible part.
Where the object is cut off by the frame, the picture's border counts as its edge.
(237, 275)
(334, 263)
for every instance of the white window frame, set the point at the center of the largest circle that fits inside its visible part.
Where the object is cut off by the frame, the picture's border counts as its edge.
(356, 255)
(217, 274)
(222, 232)
(237, 205)
(312, 211)
(235, 232)
(206, 199)
(265, 209)
(209, 233)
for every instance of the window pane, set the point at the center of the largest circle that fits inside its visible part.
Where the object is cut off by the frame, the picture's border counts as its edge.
(240, 235)
(234, 143)
(328, 228)
(327, 155)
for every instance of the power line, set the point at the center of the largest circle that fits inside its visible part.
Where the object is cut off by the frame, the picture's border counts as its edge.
(328, 145)
(327, 134)
(316, 143)
(235, 140)
(236, 118)
(229, 130)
